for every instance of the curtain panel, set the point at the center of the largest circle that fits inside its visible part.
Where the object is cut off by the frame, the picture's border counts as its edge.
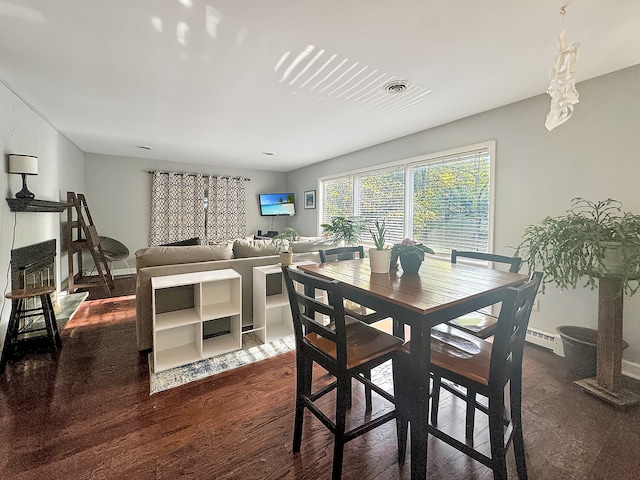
(177, 207)
(226, 210)
(187, 205)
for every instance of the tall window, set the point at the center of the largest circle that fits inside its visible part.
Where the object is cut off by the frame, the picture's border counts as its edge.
(442, 200)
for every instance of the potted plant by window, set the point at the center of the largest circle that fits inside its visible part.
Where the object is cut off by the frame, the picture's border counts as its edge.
(380, 255)
(282, 242)
(345, 230)
(595, 243)
(411, 254)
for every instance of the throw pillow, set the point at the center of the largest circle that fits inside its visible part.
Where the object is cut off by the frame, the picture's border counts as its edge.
(253, 248)
(183, 243)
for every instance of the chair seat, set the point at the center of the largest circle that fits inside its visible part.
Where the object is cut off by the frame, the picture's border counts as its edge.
(459, 352)
(479, 324)
(364, 343)
(113, 249)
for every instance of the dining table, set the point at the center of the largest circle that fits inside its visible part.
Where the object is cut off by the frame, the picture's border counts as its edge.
(439, 292)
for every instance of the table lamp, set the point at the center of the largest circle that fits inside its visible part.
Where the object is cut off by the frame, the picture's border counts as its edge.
(24, 165)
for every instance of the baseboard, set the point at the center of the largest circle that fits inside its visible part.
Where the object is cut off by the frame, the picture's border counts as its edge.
(121, 271)
(631, 369)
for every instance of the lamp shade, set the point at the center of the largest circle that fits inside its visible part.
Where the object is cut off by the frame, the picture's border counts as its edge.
(27, 164)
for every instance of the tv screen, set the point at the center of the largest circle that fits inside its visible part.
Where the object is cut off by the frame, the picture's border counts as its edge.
(272, 204)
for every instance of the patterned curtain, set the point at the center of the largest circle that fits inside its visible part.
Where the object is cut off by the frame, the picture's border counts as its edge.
(177, 207)
(226, 211)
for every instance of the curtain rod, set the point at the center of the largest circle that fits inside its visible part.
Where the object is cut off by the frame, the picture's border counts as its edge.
(203, 174)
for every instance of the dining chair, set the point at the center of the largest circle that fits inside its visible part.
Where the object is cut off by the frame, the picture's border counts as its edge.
(486, 368)
(341, 253)
(353, 309)
(345, 347)
(482, 324)
(478, 324)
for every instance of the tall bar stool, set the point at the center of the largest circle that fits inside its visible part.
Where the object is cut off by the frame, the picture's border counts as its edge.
(19, 311)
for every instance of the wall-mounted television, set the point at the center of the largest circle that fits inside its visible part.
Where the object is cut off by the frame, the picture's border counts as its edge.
(277, 204)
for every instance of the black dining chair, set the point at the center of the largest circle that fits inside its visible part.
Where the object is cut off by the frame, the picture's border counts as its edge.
(486, 368)
(341, 253)
(482, 324)
(344, 347)
(478, 324)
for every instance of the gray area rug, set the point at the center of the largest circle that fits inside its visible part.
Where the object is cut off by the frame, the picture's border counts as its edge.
(253, 350)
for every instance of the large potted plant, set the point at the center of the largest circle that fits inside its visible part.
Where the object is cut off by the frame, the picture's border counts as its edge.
(591, 240)
(595, 244)
(411, 254)
(380, 255)
(345, 230)
(283, 242)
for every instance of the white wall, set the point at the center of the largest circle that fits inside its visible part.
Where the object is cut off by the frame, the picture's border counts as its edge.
(594, 155)
(60, 168)
(118, 192)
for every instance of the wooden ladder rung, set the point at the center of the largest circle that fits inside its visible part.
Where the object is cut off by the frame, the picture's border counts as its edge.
(87, 239)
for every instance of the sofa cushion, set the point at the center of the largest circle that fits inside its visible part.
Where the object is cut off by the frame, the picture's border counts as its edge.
(311, 244)
(254, 248)
(152, 256)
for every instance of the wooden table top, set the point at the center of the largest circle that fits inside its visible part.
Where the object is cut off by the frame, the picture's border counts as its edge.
(437, 285)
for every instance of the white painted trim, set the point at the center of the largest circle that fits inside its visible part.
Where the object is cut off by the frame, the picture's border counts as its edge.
(631, 369)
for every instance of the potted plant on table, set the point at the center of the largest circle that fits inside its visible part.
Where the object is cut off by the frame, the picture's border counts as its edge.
(595, 243)
(282, 243)
(411, 254)
(345, 230)
(380, 255)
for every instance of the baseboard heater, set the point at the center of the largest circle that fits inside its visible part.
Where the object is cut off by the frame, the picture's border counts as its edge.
(543, 339)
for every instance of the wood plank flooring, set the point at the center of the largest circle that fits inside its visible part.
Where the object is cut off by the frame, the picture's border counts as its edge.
(86, 413)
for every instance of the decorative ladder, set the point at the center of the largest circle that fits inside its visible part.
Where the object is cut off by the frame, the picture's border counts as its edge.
(86, 239)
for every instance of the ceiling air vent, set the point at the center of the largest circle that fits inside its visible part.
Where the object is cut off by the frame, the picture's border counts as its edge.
(396, 86)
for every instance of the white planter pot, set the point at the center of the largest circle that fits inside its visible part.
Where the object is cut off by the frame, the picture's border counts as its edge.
(286, 258)
(379, 260)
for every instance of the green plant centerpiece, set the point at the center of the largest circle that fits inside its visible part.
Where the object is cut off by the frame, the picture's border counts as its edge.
(379, 235)
(345, 230)
(282, 243)
(380, 255)
(591, 240)
(598, 244)
(411, 254)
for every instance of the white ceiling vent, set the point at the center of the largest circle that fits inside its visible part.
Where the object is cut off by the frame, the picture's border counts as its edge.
(396, 86)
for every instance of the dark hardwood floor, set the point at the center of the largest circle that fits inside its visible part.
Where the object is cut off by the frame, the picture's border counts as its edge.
(86, 413)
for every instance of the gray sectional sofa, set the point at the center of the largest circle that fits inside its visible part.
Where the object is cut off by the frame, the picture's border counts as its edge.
(240, 255)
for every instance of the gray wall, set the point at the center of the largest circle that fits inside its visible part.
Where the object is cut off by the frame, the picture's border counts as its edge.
(593, 155)
(118, 192)
(60, 168)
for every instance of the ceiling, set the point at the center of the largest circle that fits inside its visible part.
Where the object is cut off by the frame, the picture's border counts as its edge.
(222, 82)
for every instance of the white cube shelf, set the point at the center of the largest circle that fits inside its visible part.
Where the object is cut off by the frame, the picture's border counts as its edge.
(178, 337)
(271, 313)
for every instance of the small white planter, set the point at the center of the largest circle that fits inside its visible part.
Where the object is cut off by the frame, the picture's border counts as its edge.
(379, 260)
(286, 258)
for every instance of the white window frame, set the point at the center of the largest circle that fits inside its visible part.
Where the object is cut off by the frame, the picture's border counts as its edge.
(407, 163)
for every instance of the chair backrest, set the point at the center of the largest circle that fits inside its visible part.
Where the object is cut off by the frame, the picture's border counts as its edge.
(508, 343)
(513, 262)
(341, 253)
(307, 294)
